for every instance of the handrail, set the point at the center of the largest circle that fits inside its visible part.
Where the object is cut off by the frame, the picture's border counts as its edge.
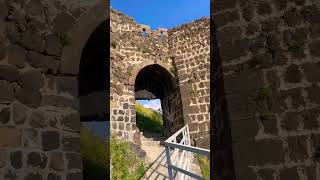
(182, 167)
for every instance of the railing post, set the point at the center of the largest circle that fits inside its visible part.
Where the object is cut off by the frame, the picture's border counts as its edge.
(169, 163)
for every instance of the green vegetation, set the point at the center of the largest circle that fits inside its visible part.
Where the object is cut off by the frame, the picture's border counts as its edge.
(264, 103)
(148, 120)
(113, 44)
(94, 153)
(145, 50)
(204, 164)
(125, 163)
(64, 39)
(173, 70)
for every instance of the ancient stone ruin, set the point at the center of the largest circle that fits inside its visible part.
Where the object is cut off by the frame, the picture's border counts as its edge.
(54, 73)
(170, 65)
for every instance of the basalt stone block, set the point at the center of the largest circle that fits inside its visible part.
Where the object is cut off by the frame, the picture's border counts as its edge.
(248, 12)
(311, 71)
(71, 122)
(58, 101)
(311, 13)
(19, 113)
(44, 62)
(17, 56)
(314, 47)
(264, 8)
(74, 161)
(37, 160)
(4, 115)
(222, 5)
(310, 119)
(63, 22)
(74, 176)
(266, 174)
(53, 45)
(37, 119)
(31, 138)
(29, 97)
(71, 144)
(244, 129)
(313, 94)
(33, 176)
(10, 137)
(224, 18)
(289, 174)
(292, 17)
(68, 84)
(10, 174)
(293, 74)
(52, 176)
(50, 140)
(291, 121)
(34, 8)
(297, 148)
(9, 73)
(16, 159)
(33, 41)
(32, 79)
(57, 161)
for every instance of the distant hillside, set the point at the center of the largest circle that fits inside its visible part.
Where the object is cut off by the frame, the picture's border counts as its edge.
(148, 120)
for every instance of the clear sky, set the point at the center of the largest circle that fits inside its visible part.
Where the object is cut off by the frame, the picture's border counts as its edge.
(163, 13)
(153, 104)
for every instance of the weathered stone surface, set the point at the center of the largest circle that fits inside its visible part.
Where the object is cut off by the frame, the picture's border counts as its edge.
(292, 17)
(314, 48)
(16, 56)
(19, 113)
(74, 176)
(50, 140)
(71, 122)
(289, 174)
(297, 148)
(10, 137)
(311, 14)
(74, 161)
(266, 174)
(293, 74)
(45, 62)
(71, 144)
(9, 73)
(63, 22)
(37, 119)
(31, 138)
(32, 79)
(313, 94)
(33, 99)
(264, 8)
(37, 160)
(33, 176)
(4, 115)
(291, 121)
(16, 159)
(33, 41)
(68, 84)
(57, 161)
(58, 101)
(52, 176)
(310, 70)
(6, 91)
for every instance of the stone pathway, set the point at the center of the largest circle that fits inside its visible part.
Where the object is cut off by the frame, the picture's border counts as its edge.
(156, 157)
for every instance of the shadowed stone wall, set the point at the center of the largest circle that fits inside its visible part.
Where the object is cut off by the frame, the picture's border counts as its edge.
(41, 45)
(267, 100)
(182, 53)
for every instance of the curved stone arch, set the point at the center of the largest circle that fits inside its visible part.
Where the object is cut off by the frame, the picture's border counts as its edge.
(135, 71)
(79, 35)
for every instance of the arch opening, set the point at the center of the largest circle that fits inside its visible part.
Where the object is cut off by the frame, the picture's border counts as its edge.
(156, 82)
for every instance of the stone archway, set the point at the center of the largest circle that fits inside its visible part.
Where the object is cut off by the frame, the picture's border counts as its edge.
(155, 81)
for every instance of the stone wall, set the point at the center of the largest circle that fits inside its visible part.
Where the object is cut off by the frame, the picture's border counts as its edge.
(267, 107)
(182, 52)
(39, 63)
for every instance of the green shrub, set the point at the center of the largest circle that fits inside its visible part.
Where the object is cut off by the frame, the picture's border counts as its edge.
(145, 50)
(126, 165)
(204, 164)
(95, 153)
(113, 44)
(148, 120)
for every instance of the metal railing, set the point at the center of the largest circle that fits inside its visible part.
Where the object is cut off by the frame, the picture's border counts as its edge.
(179, 155)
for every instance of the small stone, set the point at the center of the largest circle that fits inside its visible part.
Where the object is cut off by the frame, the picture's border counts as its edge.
(9, 137)
(63, 23)
(50, 140)
(31, 139)
(38, 160)
(57, 161)
(4, 115)
(293, 74)
(32, 79)
(53, 45)
(33, 41)
(71, 122)
(19, 113)
(17, 56)
(16, 159)
(37, 119)
(9, 73)
(29, 97)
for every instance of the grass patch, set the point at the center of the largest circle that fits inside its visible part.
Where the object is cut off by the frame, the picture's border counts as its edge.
(204, 164)
(94, 153)
(125, 164)
(148, 120)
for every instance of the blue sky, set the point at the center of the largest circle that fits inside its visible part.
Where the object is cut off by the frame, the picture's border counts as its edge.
(153, 104)
(163, 13)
